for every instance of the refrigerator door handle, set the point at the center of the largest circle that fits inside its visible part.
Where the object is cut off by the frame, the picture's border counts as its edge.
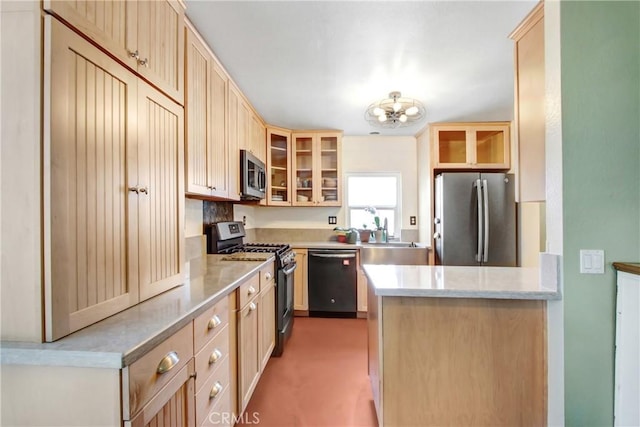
(485, 235)
(478, 186)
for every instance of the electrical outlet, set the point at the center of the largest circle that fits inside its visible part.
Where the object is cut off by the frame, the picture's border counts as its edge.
(333, 220)
(244, 220)
(412, 220)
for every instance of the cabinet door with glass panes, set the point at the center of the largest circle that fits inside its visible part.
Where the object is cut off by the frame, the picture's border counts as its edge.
(471, 145)
(279, 167)
(316, 162)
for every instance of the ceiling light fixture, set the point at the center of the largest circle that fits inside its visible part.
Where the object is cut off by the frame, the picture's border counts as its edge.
(395, 111)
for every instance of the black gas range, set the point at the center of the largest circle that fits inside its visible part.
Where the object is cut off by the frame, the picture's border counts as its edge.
(227, 238)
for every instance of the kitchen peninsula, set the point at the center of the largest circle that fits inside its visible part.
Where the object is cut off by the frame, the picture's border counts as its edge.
(458, 345)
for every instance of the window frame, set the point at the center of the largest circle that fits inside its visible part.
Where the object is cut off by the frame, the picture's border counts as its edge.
(397, 208)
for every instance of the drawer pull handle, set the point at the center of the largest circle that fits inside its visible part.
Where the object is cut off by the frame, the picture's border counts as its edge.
(215, 356)
(268, 276)
(252, 307)
(214, 322)
(168, 362)
(215, 390)
(251, 290)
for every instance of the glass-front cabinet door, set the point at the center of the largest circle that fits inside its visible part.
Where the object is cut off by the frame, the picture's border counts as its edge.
(316, 168)
(303, 162)
(279, 167)
(329, 170)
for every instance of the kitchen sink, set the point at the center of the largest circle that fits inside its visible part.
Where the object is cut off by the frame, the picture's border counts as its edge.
(398, 253)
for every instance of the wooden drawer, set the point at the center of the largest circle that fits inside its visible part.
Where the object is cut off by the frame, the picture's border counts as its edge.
(248, 290)
(216, 384)
(220, 414)
(209, 323)
(267, 274)
(211, 356)
(172, 406)
(142, 379)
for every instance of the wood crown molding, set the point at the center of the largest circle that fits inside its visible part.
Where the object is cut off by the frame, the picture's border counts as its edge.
(536, 14)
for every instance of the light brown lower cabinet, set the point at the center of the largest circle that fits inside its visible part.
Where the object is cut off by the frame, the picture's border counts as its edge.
(256, 332)
(202, 375)
(457, 361)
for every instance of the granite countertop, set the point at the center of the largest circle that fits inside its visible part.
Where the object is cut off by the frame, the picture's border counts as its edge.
(459, 282)
(628, 267)
(123, 338)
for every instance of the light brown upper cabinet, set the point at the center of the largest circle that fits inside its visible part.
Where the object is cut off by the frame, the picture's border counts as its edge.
(146, 35)
(278, 167)
(529, 105)
(480, 145)
(316, 168)
(206, 131)
(113, 185)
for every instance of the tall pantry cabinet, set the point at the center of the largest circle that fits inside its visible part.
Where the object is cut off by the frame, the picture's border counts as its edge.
(113, 185)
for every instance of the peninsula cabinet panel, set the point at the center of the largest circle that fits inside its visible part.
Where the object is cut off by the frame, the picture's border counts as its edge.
(145, 35)
(206, 106)
(481, 361)
(90, 226)
(113, 186)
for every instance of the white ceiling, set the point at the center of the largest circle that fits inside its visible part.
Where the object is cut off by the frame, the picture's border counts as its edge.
(319, 64)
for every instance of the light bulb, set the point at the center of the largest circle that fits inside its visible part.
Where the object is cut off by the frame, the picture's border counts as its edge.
(382, 118)
(412, 111)
(403, 118)
(396, 106)
(378, 111)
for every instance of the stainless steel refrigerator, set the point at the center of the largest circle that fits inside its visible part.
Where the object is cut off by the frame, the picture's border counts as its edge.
(475, 219)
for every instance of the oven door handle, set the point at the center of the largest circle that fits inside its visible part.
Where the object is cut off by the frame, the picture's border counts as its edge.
(288, 271)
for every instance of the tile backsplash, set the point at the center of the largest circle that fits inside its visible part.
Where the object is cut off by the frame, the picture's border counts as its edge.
(216, 212)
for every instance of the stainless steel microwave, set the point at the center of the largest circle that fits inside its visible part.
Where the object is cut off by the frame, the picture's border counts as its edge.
(253, 178)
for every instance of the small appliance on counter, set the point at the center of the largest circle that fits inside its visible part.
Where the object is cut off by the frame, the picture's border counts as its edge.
(227, 238)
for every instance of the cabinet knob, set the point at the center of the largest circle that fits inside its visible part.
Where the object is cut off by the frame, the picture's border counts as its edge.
(436, 235)
(215, 356)
(144, 190)
(144, 62)
(133, 54)
(252, 306)
(214, 322)
(251, 290)
(268, 276)
(215, 390)
(436, 220)
(168, 362)
(333, 301)
(134, 190)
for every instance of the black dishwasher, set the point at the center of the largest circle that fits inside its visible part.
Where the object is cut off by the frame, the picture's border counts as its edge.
(332, 283)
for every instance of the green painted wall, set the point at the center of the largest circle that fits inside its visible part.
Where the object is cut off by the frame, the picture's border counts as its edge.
(600, 48)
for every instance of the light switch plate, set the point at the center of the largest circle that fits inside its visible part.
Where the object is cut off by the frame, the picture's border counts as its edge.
(333, 220)
(591, 261)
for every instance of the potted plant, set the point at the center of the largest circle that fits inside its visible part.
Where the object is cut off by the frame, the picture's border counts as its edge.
(365, 233)
(378, 231)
